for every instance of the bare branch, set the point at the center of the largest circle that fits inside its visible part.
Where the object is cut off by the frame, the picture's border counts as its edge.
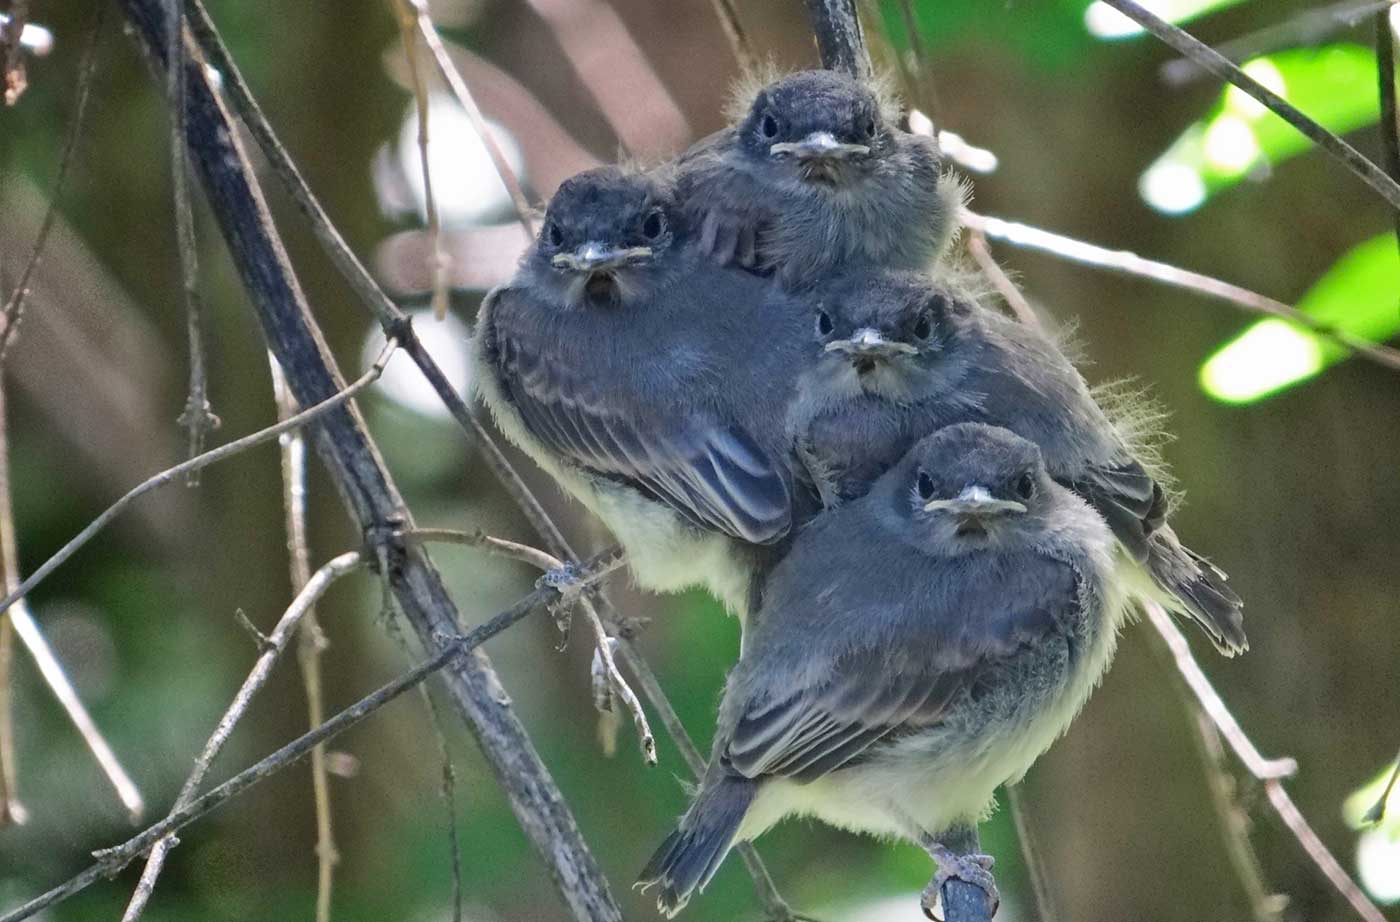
(197, 417)
(1126, 263)
(450, 650)
(193, 464)
(408, 12)
(1390, 118)
(1020, 307)
(1035, 867)
(50, 668)
(311, 640)
(734, 31)
(1326, 862)
(275, 643)
(840, 40)
(465, 99)
(14, 305)
(1220, 66)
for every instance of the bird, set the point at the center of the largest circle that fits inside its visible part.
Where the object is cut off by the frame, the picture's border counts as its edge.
(815, 175)
(916, 648)
(897, 355)
(651, 384)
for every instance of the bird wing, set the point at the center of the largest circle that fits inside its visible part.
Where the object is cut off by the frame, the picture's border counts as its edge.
(898, 684)
(1130, 500)
(707, 469)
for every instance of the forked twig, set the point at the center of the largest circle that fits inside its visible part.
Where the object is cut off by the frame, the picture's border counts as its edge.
(272, 647)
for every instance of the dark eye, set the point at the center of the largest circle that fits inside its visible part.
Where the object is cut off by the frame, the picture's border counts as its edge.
(654, 226)
(769, 127)
(925, 486)
(555, 235)
(869, 127)
(1025, 486)
(923, 327)
(824, 324)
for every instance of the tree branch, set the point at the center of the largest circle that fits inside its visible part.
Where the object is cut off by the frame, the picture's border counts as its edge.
(1390, 119)
(364, 484)
(1210, 59)
(840, 39)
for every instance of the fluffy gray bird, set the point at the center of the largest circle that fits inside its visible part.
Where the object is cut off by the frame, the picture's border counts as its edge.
(650, 383)
(918, 647)
(900, 357)
(816, 175)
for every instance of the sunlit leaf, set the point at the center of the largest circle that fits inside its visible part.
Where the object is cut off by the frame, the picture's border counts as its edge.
(1378, 846)
(1104, 21)
(1360, 294)
(1334, 85)
(1042, 34)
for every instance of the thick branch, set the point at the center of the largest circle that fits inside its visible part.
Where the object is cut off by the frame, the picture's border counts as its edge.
(839, 37)
(364, 483)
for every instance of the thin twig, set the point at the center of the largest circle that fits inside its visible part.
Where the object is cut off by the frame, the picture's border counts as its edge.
(196, 463)
(734, 31)
(407, 13)
(1264, 905)
(1269, 771)
(448, 791)
(397, 324)
(14, 304)
(1020, 307)
(1035, 867)
(549, 563)
(922, 79)
(1220, 66)
(1307, 28)
(468, 103)
(1390, 118)
(111, 860)
(311, 640)
(198, 416)
(1126, 263)
(272, 648)
(52, 671)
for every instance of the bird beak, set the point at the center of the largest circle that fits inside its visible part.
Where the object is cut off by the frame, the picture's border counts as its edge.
(595, 257)
(819, 145)
(975, 503)
(870, 343)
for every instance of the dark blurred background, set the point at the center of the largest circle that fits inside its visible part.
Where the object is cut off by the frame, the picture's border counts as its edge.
(1295, 496)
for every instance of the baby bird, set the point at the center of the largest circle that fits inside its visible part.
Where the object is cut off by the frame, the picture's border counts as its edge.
(899, 357)
(816, 175)
(650, 383)
(918, 647)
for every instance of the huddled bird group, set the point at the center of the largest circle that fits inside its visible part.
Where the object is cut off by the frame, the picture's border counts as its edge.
(759, 367)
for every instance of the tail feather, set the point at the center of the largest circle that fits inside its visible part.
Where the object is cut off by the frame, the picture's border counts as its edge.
(1200, 589)
(692, 854)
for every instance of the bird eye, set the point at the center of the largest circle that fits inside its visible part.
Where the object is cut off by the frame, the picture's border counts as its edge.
(654, 226)
(925, 486)
(869, 127)
(923, 327)
(1025, 486)
(769, 127)
(556, 236)
(824, 324)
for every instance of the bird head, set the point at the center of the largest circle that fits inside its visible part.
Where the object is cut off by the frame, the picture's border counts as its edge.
(823, 128)
(603, 231)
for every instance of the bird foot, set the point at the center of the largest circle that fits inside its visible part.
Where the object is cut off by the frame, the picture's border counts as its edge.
(972, 869)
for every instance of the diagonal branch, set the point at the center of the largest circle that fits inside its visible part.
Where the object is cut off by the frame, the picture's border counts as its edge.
(450, 649)
(1390, 118)
(371, 497)
(1210, 59)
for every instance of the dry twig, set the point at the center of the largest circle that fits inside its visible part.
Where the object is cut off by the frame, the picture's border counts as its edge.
(311, 640)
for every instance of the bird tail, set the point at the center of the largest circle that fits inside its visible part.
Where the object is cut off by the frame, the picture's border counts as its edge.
(690, 856)
(1197, 588)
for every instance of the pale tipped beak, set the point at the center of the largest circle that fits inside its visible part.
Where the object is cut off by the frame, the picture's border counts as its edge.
(870, 343)
(819, 145)
(595, 257)
(975, 502)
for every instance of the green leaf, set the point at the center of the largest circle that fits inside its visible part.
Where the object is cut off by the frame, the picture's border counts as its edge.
(1103, 21)
(1335, 85)
(1358, 295)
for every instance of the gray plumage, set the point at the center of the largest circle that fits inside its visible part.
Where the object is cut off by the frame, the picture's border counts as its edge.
(648, 382)
(918, 647)
(899, 357)
(817, 176)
